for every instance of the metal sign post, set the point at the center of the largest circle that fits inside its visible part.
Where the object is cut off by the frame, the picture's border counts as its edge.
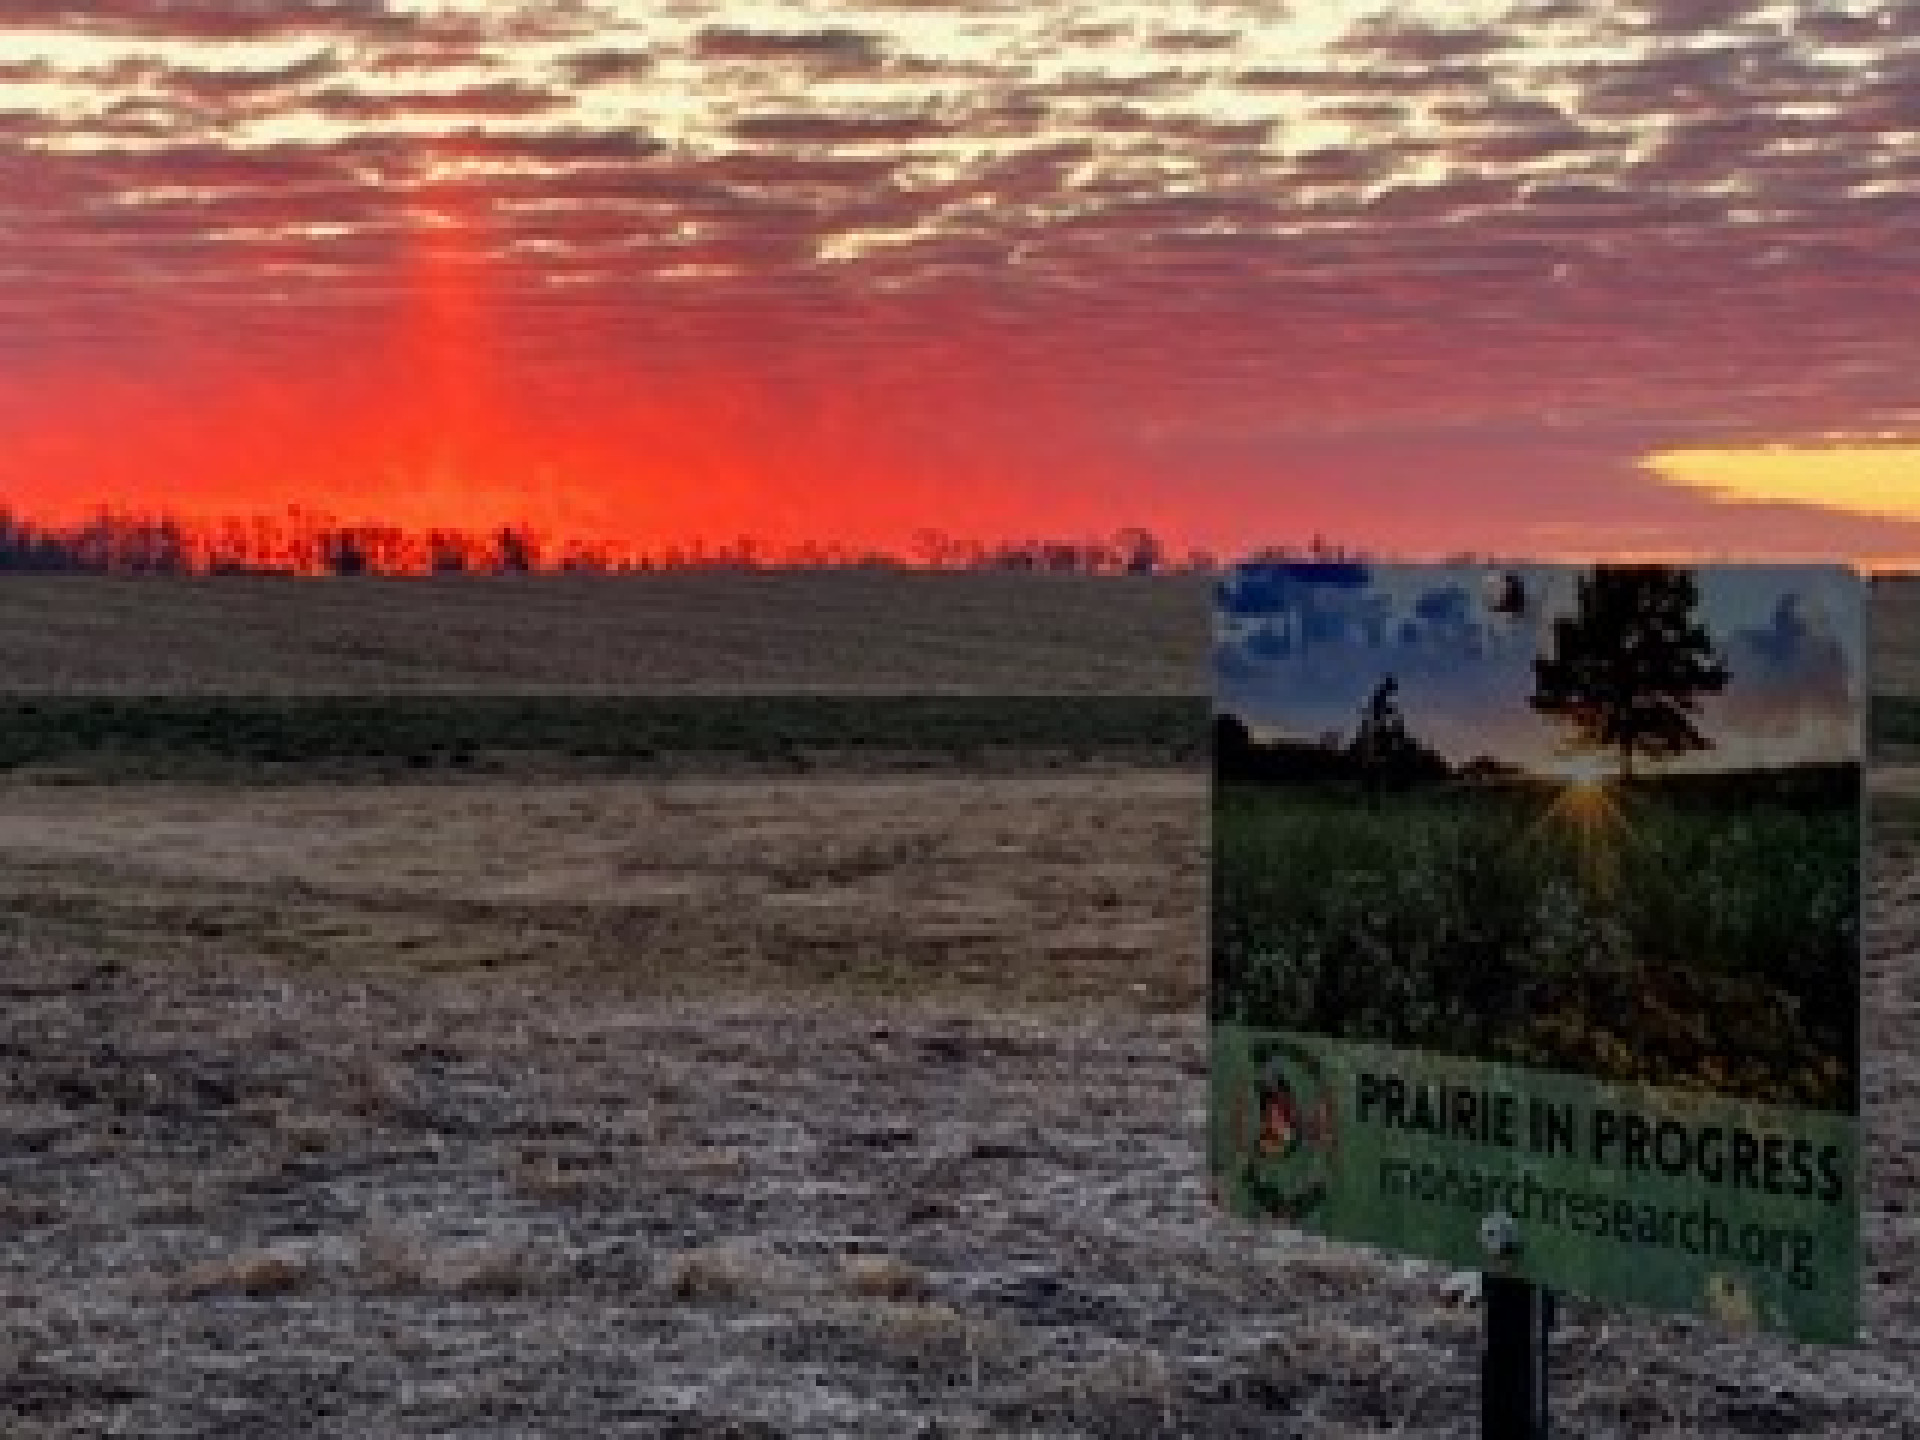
(1513, 1367)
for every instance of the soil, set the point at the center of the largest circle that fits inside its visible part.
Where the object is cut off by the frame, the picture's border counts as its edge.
(772, 632)
(841, 1104)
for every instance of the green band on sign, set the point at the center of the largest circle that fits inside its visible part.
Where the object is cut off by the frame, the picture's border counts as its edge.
(1748, 1212)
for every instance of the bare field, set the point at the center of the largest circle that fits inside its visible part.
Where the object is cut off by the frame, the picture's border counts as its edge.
(775, 632)
(905, 881)
(862, 1102)
(1895, 626)
(702, 1105)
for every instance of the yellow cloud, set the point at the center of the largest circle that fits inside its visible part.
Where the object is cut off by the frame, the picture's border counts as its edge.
(1868, 479)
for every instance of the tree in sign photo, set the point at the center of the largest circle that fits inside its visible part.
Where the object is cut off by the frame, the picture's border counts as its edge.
(1629, 664)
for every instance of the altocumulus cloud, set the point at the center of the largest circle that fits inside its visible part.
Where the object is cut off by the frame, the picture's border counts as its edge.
(1279, 243)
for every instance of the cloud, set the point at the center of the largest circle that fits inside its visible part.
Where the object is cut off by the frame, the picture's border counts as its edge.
(505, 99)
(1179, 42)
(1271, 588)
(223, 21)
(1866, 28)
(1364, 82)
(795, 127)
(410, 59)
(1398, 42)
(831, 49)
(243, 85)
(1305, 668)
(606, 66)
(373, 22)
(1393, 252)
(1790, 677)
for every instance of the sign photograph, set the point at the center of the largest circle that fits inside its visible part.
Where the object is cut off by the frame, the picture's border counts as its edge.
(1536, 923)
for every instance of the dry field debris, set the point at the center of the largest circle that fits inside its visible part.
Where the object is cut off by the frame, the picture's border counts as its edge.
(840, 1105)
(773, 632)
(1895, 627)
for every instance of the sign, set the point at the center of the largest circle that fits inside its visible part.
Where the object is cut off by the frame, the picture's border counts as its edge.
(1536, 924)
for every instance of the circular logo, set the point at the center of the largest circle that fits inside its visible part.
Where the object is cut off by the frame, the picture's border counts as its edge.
(1283, 1130)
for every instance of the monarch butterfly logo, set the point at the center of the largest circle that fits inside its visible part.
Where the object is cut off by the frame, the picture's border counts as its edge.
(1280, 1118)
(1285, 1132)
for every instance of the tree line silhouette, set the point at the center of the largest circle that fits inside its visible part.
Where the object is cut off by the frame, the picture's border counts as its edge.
(304, 542)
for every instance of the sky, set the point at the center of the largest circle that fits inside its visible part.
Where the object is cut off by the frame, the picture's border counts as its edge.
(1527, 277)
(1299, 649)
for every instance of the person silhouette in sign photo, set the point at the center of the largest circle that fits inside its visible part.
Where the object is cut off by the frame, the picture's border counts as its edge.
(1381, 728)
(1383, 715)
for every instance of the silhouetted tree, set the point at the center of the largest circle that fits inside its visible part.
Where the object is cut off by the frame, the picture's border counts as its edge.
(936, 549)
(1386, 753)
(302, 541)
(343, 553)
(1233, 749)
(1141, 552)
(447, 552)
(517, 550)
(1629, 664)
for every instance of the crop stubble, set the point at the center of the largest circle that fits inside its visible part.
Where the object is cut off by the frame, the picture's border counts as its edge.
(663, 1105)
(741, 1103)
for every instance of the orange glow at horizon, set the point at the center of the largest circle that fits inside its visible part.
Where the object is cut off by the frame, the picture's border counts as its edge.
(698, 462)
(643, 473)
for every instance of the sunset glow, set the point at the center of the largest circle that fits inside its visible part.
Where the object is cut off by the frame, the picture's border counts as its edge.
(1425, 278)
(1879, 480)
(1587, 810)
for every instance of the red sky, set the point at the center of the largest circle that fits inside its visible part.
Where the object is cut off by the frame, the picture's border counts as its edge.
(1514, 275)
